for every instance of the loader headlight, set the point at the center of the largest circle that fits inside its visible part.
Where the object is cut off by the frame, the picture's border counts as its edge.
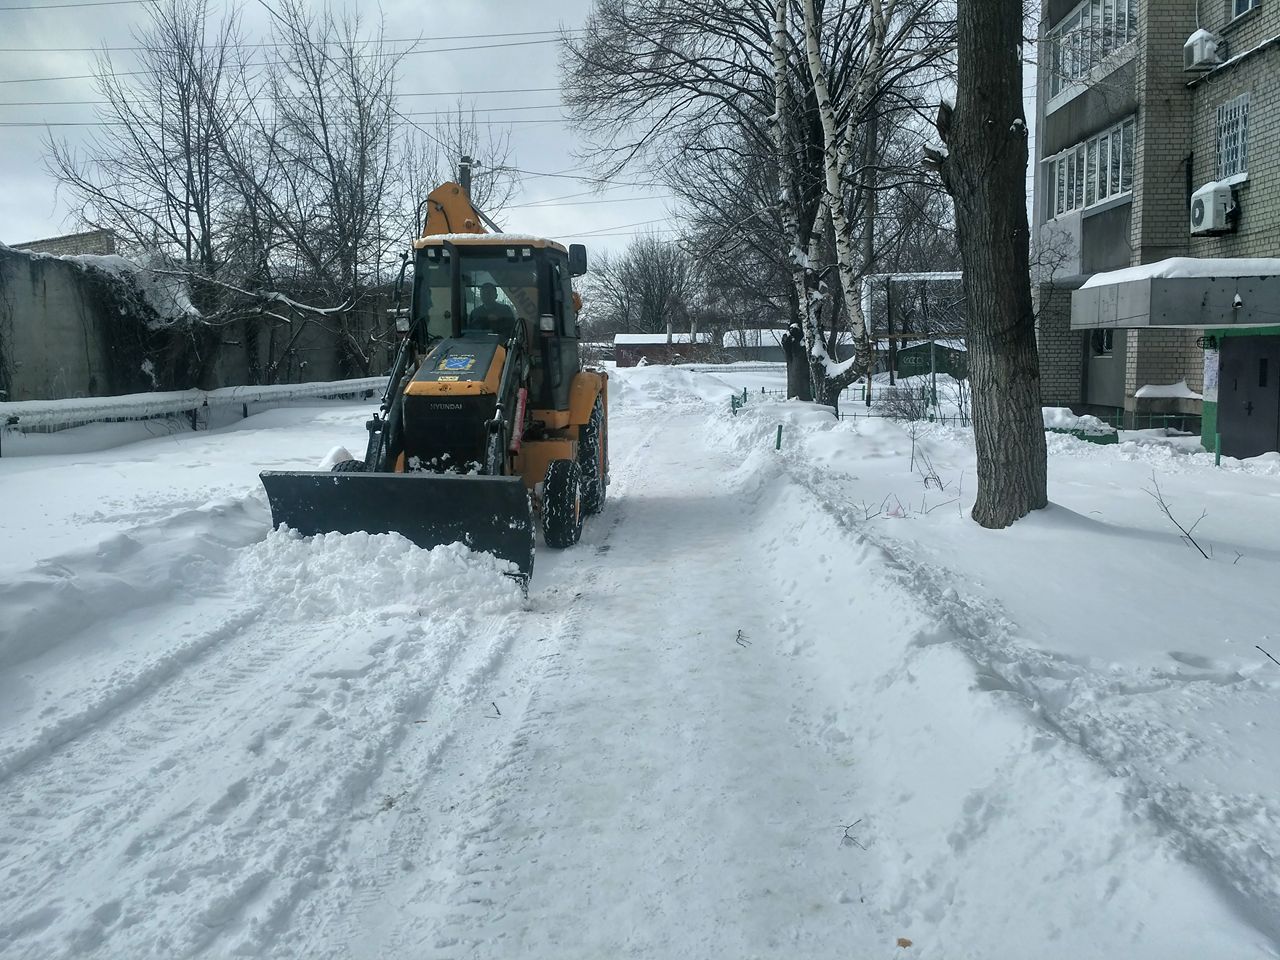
(547, 323)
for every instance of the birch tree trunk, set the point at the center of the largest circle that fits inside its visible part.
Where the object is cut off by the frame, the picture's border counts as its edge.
(984, 169)
(837, 155)
(803, 250)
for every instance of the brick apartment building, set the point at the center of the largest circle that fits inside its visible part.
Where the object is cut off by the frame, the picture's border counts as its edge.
(1158, 144)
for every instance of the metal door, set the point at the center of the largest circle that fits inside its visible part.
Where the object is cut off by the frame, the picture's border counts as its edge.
(1249, 395)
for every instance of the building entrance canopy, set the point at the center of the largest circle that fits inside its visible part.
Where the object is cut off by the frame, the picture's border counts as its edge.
(1182, 292)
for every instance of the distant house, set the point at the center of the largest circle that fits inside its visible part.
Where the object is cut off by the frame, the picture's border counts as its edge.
(93, 242)
(630, 348)
(755, 343)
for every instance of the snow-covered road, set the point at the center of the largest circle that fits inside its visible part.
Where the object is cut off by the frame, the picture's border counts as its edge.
(730, 723)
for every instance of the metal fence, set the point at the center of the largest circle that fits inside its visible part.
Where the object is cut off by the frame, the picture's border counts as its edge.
(854, 406)
(50, 416)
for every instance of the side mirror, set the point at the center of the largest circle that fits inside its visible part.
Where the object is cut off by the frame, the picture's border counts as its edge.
(577, 259)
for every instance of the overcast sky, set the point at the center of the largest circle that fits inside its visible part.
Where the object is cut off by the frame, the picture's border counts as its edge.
(30, 207)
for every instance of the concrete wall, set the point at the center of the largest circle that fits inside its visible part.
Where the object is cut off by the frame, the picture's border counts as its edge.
(68, 329)
(51, 338)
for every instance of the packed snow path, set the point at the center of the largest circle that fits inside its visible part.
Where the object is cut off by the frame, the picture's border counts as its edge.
(724, 725)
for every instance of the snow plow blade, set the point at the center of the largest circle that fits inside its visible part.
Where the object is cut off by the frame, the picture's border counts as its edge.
(488, 514)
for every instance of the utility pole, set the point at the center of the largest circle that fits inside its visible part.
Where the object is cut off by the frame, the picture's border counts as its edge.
(464, 175)
(893, 344)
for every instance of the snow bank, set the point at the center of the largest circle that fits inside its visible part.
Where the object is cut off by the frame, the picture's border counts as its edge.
(1061, 418)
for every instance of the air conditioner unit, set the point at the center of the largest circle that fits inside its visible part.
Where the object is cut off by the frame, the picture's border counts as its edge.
(1211, 208)
(1203, 51)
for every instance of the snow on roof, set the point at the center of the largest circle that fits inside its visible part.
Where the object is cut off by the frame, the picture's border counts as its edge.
(754, 337)
(1167, 391)
(1180, 268)
(651, 339)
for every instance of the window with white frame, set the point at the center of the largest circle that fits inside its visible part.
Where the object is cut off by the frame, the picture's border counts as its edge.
(1092, 172)
(1084, 37)
(1239, 7)
(1233, 137)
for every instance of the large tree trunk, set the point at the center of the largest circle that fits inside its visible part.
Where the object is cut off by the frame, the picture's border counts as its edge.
(985, 172)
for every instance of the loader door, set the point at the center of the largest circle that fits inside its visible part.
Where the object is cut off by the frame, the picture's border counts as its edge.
(554, 352)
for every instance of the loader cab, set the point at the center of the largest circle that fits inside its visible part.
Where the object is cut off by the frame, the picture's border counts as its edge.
(489, 288)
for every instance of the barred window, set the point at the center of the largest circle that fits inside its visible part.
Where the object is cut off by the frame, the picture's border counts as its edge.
(1233, 136)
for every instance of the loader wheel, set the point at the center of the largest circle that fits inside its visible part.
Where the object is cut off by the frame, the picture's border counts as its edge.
(591, 460)
(562, 504)
(348, 466)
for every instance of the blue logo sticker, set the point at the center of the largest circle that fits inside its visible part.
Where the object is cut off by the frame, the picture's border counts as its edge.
(458, 363)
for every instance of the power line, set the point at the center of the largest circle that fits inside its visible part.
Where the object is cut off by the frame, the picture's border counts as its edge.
(566, 175)
(68, 6)
(603, 231)
(278, 63)
(539, 205)
(257, 46)
(442, 93)
(625, 233)
(125, 123)
(567, 196)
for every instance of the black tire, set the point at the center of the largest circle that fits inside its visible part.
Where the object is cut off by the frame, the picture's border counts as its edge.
(562, 511)
(591, 459)
(348, 466)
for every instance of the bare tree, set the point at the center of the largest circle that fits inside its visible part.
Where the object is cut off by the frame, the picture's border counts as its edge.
(984, 169)
(648, 288)
(650, 78)
(430, 157)
(150, 171)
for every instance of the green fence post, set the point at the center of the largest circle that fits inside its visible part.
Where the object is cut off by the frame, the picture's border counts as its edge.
(777, 444)
(1217, 449)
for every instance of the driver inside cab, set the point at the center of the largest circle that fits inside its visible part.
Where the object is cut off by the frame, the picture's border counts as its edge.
(492, 315)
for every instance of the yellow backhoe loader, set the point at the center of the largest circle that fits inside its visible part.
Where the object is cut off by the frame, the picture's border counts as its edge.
(488, 419)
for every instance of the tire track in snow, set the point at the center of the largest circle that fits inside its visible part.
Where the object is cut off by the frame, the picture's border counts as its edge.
(234, 784)
(561, 860)
(407, 877)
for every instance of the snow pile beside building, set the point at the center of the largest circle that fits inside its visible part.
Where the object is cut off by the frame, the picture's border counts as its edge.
(1061, 418)
(1167, 391)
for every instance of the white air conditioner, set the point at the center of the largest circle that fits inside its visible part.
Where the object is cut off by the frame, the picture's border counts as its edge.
(1203, 51)
(1211, 208)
